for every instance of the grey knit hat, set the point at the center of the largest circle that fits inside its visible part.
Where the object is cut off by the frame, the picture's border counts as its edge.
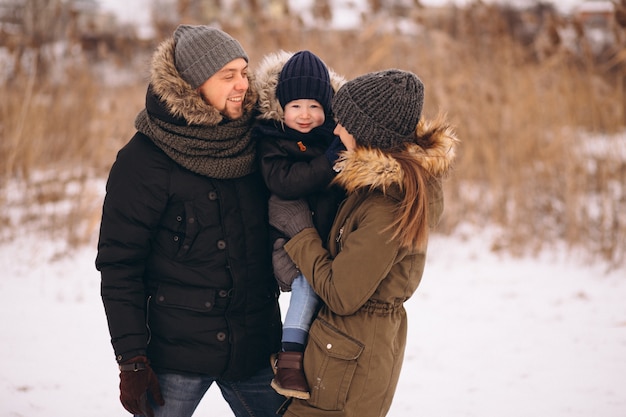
(380, 109)
(201, 51)
(304, 76)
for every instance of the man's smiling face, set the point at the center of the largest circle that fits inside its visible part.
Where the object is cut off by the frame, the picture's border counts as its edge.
(226, 89)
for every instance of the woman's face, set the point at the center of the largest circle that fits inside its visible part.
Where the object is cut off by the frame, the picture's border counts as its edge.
(346, 138)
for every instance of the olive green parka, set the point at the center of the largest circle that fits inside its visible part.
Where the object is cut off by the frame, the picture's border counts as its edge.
(356, 344)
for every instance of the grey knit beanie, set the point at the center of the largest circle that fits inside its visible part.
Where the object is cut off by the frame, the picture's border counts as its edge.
(304, 76)
(201, 51)
(380, 109)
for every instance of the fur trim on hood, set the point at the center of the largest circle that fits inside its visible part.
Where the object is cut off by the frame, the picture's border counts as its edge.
(181, 100)
(433, 150)
(266, 80)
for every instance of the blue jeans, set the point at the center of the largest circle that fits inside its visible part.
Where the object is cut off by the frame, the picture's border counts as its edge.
(252, 397)
(302, 307)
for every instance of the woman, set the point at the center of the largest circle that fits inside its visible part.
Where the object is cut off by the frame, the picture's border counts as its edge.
(392, 172)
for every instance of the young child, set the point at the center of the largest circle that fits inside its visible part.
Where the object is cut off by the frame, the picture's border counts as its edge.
(297, 150)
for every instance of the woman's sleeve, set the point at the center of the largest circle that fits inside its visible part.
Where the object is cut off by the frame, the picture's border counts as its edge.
(366, 257)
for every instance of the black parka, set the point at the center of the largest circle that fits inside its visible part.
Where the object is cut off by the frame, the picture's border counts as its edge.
(186, 266)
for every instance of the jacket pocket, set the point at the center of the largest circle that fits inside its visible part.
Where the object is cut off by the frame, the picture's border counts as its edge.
(177, 231)
(197, 299)
(330, 361)
(191, 230)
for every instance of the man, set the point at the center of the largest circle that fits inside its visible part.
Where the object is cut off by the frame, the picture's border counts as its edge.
(187, 280)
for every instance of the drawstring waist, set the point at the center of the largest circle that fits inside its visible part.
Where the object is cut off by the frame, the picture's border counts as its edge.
(379, 307)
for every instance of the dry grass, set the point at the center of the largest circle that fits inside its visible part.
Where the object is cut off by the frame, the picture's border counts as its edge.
(57, 139)
(526, 163)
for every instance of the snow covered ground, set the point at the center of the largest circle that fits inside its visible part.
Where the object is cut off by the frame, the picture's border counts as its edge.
(489, 336)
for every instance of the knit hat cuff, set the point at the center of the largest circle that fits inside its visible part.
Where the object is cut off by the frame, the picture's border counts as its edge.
(304, 87)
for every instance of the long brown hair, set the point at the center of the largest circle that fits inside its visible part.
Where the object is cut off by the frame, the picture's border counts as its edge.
(411, 220)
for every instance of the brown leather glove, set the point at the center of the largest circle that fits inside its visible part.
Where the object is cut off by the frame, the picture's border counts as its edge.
(137, 379)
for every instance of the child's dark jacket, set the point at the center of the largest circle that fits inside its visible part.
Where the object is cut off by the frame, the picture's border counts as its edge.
(294, 164)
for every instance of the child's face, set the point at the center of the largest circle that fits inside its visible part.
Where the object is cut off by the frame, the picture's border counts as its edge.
(304, 115)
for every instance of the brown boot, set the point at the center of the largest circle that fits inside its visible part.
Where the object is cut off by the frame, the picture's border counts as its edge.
(289, 377)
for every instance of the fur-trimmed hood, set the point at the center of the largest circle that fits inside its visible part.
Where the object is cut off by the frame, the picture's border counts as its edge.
(180, 99)
(265, 81)
(433, 149)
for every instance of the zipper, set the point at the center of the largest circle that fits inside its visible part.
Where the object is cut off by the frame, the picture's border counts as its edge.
(148, 319)
(339, 235)
(338, 240)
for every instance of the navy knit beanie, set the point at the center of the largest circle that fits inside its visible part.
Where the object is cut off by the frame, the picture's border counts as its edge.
(201, 51)
(304, 76)
(380, 109)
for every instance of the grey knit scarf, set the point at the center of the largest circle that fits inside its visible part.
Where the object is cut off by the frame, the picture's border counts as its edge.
(222, 151)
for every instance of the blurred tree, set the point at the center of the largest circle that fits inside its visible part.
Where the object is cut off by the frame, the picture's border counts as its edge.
(31, 28)
(322, 10)
(28, 26)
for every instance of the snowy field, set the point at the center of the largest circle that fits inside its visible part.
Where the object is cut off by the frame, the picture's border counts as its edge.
(489, 336)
